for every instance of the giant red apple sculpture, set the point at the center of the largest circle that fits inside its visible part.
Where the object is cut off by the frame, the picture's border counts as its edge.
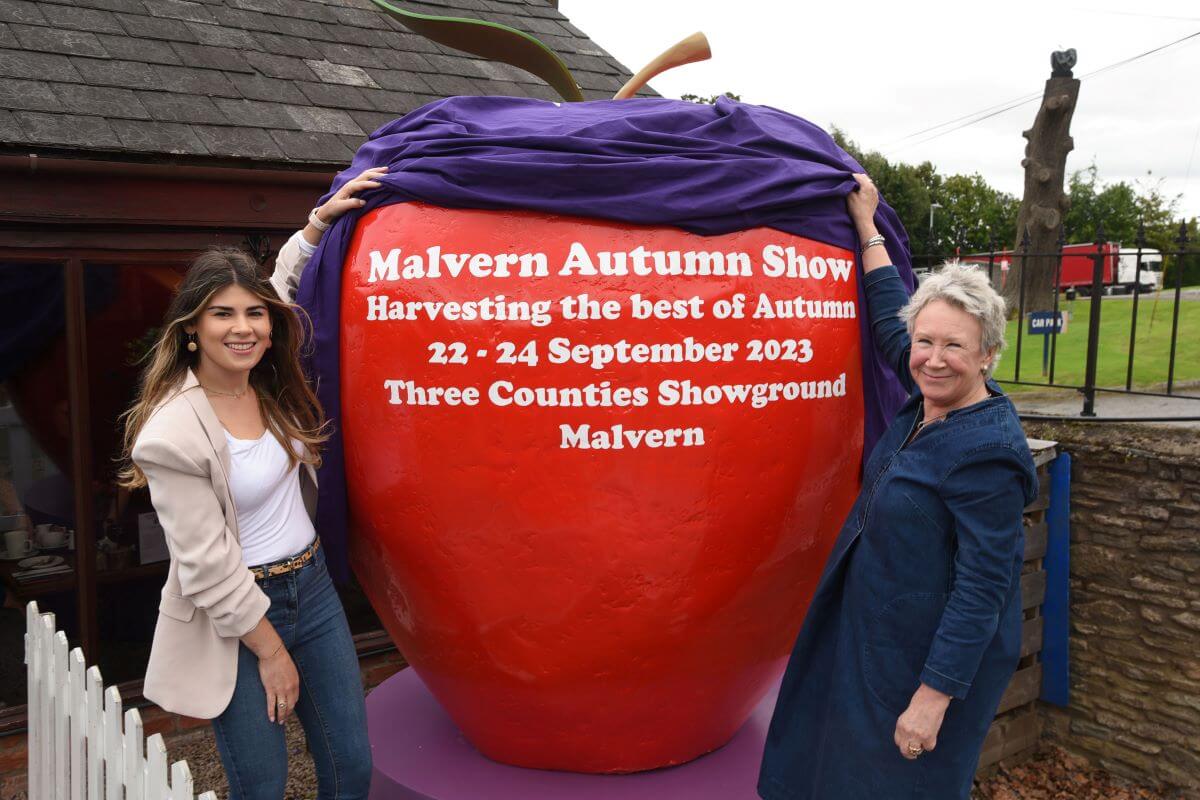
(595, 468)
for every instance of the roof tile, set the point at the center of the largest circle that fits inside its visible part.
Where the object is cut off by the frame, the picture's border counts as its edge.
(240, 142)
(450, 84)
(324, 120)
(102, 101)
(450, 65)
(304, 28)
(172, 107)
(158, 137)
(310, 146)
(244, 20)
(539, 26)
(341, 73)
(336, 96)
(127, 48)
(397, 103)
(372, 121)
(313, 11)
(70, 130)
(128, 6)
(127, 74)
(399, 59)
(350, 54)
(7, 37)
(28, 95)
(357, 17)
(51, 40)
(286, 45)
(275, 66)
(220, 36)
(195, 55)
(22, 64)
(179, 9)
(156, 28)
(83, 19)
(10, 131)
(502, 88)
(406, 41)
(256, 87)
(255, 114)
(265, 6)
(401, 81)
(367, 37)
(21, 11)
(197, 81)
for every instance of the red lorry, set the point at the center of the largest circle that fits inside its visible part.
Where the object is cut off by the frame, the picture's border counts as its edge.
(1119, 269)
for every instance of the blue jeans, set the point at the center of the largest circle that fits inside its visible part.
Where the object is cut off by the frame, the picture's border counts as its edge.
(308, 615)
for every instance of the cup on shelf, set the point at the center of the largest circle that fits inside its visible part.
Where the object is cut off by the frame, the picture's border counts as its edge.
(50, 536)
(17, 544)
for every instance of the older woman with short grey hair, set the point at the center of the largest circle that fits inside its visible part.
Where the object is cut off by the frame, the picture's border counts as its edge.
(915, 629)
(968, 289)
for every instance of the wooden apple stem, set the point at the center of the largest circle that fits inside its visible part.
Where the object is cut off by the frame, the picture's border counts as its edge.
(693, 48)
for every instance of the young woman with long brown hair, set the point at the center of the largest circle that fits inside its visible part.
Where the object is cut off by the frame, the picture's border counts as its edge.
(227, 433)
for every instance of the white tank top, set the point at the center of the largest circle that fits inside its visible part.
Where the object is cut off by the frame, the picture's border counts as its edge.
(272, 521)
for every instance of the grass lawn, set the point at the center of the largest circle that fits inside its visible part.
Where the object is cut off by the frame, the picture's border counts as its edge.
(1151, 351)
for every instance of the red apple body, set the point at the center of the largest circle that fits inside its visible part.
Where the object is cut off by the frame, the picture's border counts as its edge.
(586, 608)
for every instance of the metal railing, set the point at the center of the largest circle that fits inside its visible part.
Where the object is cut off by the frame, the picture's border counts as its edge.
(1102, 284)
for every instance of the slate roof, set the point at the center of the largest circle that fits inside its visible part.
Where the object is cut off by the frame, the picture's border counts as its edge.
(282, 81)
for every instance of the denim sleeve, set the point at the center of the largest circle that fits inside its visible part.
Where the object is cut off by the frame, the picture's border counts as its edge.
(886, 295)
(984, 492)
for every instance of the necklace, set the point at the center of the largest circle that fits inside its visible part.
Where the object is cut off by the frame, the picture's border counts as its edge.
(921, 425)
(234, 395)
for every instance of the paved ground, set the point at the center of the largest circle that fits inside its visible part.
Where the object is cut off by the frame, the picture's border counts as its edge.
(1068, 402)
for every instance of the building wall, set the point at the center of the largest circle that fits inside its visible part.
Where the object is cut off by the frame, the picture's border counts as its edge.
(1135, 600)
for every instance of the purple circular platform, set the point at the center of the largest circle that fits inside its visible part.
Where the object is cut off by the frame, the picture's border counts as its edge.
(420, 755)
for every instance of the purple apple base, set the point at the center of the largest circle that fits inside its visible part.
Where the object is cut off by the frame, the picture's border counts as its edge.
(419, 754)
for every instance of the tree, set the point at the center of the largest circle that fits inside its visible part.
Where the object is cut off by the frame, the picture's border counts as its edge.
(1044, 205)
(711, 100)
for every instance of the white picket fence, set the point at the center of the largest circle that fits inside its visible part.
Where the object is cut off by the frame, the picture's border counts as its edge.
(77, 747)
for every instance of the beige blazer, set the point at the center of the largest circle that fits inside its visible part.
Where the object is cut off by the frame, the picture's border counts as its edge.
(210, 598)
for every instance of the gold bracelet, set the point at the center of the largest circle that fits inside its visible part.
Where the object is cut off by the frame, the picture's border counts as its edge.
(277, 649)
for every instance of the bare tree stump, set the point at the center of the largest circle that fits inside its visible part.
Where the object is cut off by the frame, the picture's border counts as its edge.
(1044, 204)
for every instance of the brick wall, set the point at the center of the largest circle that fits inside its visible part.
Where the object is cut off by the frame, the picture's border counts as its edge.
(14, 758)
(1135, 600)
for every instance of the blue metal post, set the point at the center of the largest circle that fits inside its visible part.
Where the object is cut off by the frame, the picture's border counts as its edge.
(1056, 675)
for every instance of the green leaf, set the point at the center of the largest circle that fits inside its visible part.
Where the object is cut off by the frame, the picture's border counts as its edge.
(492, 41)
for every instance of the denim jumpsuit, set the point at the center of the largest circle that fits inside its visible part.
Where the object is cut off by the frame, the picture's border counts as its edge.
(922, 586)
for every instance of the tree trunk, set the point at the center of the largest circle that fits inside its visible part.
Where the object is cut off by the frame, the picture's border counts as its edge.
(1044, 204)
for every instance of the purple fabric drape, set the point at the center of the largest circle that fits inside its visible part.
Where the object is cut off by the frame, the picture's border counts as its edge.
(705, 169)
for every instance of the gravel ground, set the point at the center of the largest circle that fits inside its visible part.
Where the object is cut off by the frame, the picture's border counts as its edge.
(200, 750)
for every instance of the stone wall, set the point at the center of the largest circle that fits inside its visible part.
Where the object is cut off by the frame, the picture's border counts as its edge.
(1135, 600)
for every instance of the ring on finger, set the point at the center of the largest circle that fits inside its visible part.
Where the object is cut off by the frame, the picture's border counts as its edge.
(915, 749)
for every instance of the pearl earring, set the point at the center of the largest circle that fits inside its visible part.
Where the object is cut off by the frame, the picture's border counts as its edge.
(191, 343)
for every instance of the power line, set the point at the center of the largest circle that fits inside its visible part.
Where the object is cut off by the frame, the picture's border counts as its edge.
(1000, 108)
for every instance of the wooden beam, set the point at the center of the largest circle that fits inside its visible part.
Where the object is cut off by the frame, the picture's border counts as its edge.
(1024, 688)
(81, 460)
(90, 193)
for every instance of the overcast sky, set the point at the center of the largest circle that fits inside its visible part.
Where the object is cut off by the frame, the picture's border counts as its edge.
(883, 71)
